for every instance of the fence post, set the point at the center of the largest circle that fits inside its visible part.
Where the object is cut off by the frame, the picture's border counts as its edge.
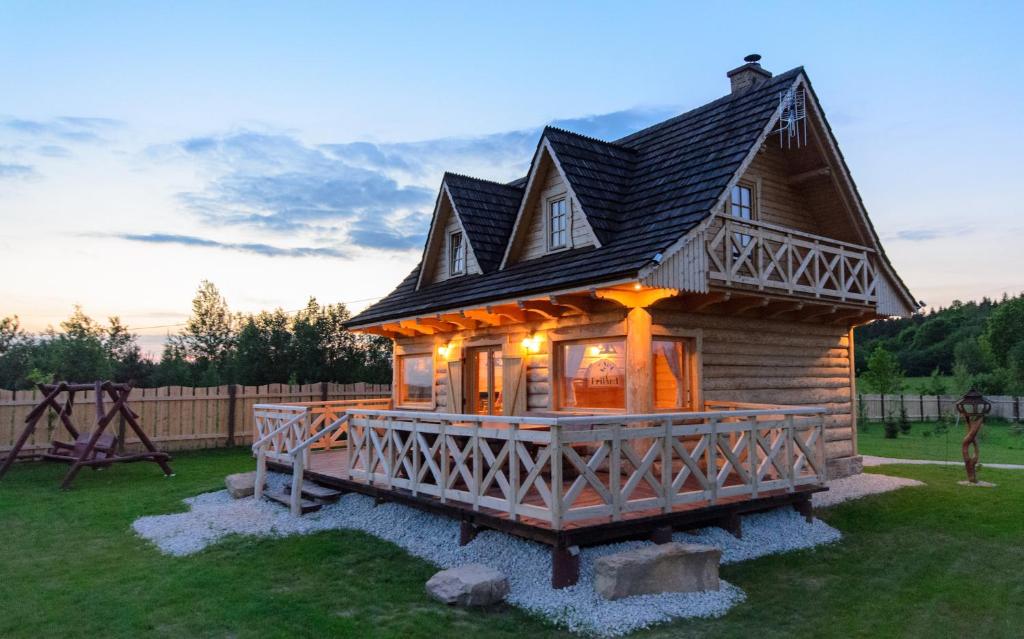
(323, 391)
(921, 397)
(1016, 408)
(232, 392)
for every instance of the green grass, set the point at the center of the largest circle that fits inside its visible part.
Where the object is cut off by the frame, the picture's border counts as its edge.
(999, 442)
(939, 561)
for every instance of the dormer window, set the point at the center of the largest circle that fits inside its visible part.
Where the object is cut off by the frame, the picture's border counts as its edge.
(558, 218)
(456, 254)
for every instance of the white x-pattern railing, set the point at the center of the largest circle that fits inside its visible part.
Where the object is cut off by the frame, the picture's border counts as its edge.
(767, 256)
(565, 469)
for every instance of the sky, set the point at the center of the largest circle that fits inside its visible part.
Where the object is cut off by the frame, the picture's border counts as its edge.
(294, 149)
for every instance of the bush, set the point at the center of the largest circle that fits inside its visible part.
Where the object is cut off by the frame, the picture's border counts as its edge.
(904, 422)
(892, 428)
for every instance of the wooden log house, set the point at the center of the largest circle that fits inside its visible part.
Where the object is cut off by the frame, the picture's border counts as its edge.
(655, 331)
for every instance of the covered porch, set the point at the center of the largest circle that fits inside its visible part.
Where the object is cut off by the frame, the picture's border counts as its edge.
(564, 481)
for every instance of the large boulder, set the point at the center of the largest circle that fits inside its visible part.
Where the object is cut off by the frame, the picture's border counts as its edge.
(671, 567)
(469, 585)
(241, 485)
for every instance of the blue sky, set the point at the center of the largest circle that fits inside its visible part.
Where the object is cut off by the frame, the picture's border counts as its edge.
(294, 149)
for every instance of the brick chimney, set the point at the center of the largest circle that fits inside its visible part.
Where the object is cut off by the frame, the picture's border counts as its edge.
(749, 75)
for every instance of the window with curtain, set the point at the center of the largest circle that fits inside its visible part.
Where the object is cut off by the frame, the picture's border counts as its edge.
(415, 379)
(672, 367)
(591, 374)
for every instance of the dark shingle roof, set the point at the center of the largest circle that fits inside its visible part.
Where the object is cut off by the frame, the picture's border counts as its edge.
(487, 210)
(640, 194)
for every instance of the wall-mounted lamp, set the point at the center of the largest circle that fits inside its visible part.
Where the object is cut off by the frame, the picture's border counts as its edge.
(532, 344)
(443, 350)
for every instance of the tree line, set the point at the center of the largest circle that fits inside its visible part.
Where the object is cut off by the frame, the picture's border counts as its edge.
(977, 344)
(216, 346)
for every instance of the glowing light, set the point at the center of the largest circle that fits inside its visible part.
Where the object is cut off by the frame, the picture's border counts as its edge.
(595, 351)
(532, 344)
(444, 349)
(636, 287)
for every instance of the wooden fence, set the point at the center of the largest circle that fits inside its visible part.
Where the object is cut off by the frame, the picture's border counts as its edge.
(931, 407)
(175, 417)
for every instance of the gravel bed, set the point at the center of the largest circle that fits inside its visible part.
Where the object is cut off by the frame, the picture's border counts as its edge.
(528, 565)
(857, 486)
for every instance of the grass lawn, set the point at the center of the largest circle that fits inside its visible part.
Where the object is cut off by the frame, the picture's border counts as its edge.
(938, 561)
(999, 443)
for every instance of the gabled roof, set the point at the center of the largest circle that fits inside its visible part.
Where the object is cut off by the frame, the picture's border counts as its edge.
(598, 172)
(487, 210)
(641, 194)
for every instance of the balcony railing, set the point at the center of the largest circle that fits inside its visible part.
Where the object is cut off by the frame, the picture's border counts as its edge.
(559, 470)
(765, 256)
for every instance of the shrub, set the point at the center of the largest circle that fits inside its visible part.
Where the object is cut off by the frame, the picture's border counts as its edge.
(904, 422)
(892, 428)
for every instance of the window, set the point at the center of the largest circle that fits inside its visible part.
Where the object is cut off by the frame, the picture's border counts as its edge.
(674, 377)
(741, 204)
(557, 224)
(591, 374)
(415, 379)
(456, 255)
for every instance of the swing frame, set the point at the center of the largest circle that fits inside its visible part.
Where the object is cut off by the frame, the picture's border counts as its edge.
(94, 453)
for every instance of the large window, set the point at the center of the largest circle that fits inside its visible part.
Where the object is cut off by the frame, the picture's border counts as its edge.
(672, 364)
(591, 374)
(456, 254)
(415, 379)
(558, 222)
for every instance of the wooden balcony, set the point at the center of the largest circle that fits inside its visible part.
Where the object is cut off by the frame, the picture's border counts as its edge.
(766, 257)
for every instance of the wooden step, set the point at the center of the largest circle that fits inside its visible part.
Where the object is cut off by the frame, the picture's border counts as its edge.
(316, 492)
(306, 505)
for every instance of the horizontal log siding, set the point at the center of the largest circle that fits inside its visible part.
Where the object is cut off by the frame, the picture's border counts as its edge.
(777, 362)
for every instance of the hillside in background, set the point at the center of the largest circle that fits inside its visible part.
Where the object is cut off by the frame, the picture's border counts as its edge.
(980, 342)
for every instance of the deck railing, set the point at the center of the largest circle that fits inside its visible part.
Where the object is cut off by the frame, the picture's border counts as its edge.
(563, 469)
(767, 256)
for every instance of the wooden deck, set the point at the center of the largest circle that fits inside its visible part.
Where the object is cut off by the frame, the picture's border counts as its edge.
(565, 482)
(329, 468)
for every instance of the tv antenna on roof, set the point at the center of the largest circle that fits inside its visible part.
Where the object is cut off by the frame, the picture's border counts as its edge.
(792, 128)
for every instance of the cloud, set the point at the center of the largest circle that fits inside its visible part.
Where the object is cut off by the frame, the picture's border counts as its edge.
(243, 247)
(67, 128)
(374, 196)
(927, 234)
(16, 171)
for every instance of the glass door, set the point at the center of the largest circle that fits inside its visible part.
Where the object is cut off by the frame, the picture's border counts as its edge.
(484, 380)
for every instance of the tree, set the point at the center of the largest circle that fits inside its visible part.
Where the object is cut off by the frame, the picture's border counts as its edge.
(935, 384)
(208, 337)
(883, 375)
(963, 380)
(1005, 328)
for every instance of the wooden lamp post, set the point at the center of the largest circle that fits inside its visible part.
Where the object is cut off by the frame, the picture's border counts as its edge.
(973, 406)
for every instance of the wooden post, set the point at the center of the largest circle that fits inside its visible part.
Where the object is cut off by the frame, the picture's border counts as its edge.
(555, 459)
(921, 417)
(323, 391)
(513, 471)
(297, 476)
(232, 392)
(1016, 408)
(639, 398)
(261, 471)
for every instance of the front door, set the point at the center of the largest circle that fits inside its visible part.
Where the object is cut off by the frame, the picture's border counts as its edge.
(483, 380)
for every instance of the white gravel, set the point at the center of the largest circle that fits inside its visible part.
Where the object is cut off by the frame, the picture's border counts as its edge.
(528, 565)
(857, 486)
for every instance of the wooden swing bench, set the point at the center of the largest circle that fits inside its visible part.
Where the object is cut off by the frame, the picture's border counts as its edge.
(97, 449)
